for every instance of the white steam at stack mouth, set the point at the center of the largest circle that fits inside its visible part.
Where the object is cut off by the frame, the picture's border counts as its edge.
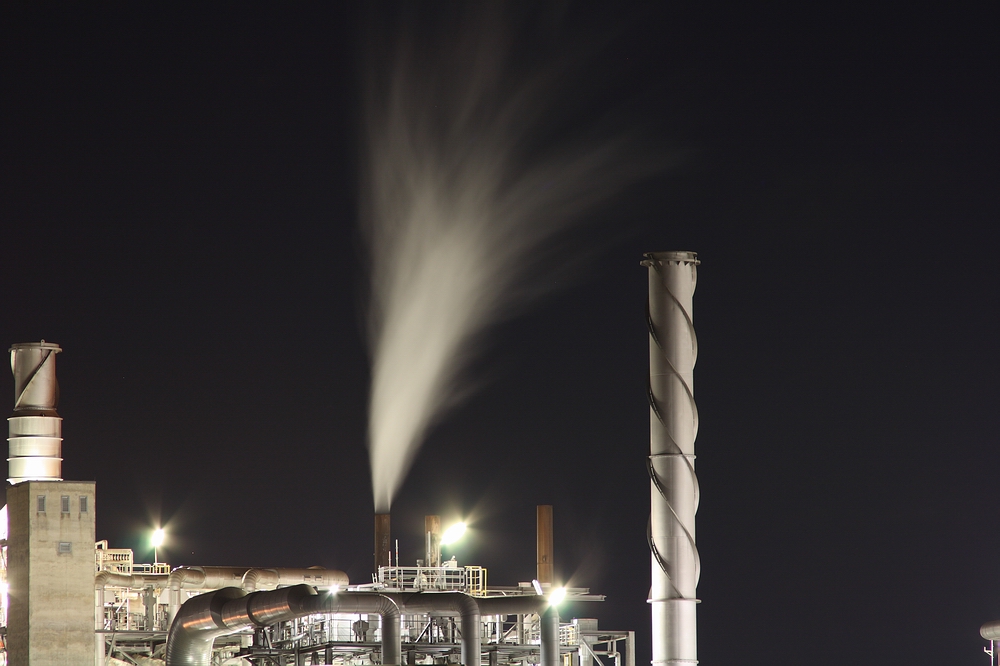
(462, 199)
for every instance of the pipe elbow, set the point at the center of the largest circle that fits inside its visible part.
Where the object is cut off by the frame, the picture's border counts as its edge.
(254, 578)
(181, 575)
(101, 580)
(990, 631)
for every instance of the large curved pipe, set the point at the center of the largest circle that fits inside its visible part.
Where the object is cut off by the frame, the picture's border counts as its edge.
(471, 609)
(459, 602)
(364, 602)
(548, 617)
(190, 577)
(207, 616)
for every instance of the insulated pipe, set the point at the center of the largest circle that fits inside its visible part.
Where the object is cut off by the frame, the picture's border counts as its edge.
(214, 578)
(35, 429)
(189, 577)
(673, 350)
(459, 602)
(204, 618)
(364, 602)
(256, 579)
(990, 631)
(543, 544)
(105, 579)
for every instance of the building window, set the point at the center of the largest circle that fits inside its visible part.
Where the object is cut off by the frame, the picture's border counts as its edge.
(64, 503)
(83, 504)
(41, 504)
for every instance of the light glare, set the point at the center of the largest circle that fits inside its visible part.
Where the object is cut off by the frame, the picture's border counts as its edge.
(557, 596)
(453, 534)
(158, 537)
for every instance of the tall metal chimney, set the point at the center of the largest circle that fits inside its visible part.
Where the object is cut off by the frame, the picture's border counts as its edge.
(543, 544)
(35, 428)
(382, 552)
(673, 418)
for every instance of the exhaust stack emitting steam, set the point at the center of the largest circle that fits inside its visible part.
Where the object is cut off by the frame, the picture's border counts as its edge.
(464, 194)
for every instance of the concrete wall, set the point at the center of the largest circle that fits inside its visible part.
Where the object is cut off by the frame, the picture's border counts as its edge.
(50, 573)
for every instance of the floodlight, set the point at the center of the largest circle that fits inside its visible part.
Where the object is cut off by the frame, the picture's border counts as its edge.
(453, 534)
(538, 587)
(158, 536)
(557, 596)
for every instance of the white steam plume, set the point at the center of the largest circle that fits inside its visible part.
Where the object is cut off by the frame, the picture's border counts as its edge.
(464, 191)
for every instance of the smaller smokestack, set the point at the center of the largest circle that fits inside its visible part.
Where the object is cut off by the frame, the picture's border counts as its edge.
(432, 526)
(381, 540)
(35, 429)
(544, 543)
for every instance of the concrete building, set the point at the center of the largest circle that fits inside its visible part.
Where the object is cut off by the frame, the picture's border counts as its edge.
(50, 573)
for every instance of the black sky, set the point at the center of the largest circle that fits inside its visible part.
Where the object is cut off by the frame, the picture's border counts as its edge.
(179, 204)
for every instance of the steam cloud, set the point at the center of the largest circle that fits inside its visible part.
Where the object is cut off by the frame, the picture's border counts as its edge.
(465, 190)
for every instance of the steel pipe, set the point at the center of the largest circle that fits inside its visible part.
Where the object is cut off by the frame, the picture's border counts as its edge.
(673, 351)
(205, 617)
(458, 602)
(256, 579)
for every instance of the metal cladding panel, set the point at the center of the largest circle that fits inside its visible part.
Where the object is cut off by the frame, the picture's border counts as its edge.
(34, 469)
(34, 368)
(50, 447)
(34, 426)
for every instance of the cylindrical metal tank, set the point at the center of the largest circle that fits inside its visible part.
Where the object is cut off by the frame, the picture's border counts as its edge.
(35, 429)
(673, 417)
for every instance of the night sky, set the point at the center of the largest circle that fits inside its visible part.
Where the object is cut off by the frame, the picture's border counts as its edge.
(179, 199)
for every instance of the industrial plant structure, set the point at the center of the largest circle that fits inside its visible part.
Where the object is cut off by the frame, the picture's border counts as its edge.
(72, 600)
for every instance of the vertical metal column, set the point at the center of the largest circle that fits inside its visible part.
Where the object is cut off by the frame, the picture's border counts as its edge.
(673, 350)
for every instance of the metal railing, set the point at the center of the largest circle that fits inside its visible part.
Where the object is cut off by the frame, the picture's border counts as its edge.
(116, 560)
(471, 580)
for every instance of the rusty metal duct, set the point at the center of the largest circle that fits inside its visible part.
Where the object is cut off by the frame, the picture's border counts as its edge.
(673, 350)
(544, 544)
(432, 528)
(382, 547)
(35, 429)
